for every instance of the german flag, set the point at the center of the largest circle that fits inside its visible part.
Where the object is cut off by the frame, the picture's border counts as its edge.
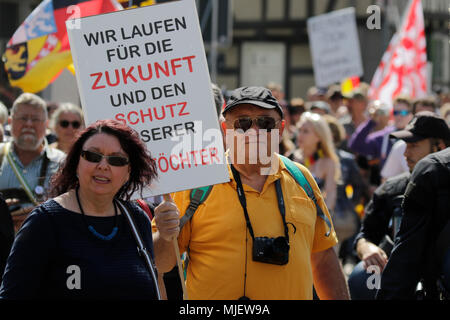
(127, 4)
(39, 49)
(347, 85)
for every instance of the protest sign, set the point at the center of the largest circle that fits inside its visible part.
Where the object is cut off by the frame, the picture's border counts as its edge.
(262, 63)
(147, 68)
(334, 44)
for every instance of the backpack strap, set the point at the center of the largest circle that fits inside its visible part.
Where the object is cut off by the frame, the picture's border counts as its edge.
(144, 206)
(301, 180)
(198, 196)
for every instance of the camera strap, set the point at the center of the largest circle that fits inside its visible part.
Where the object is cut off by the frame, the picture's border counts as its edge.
(34, 197)
(141, 249)
(243, 201)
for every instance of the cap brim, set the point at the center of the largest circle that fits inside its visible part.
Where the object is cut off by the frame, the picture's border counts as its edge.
(253, 102)
(406, 136)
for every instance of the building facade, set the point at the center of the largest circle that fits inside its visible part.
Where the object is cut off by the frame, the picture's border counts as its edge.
(267, 40)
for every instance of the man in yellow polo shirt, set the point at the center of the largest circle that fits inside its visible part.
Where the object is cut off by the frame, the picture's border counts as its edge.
(231, 237)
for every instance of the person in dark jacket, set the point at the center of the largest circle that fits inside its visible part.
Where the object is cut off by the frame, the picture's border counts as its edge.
(425, 134)
(416, 254)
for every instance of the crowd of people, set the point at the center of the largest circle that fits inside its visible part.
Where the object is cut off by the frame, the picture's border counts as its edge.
(363, 177)
(354, 205)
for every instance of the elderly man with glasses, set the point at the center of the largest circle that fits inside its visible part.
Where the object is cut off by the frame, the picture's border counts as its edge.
(26, 162)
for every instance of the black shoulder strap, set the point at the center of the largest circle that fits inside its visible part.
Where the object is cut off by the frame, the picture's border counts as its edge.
(198, 196)
(43, 172)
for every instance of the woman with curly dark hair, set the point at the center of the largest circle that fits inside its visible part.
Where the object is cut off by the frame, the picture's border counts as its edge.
(79, 245)
(142, 168)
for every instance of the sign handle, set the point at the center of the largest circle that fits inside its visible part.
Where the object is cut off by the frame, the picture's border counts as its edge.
(167, 197)
(180, 268)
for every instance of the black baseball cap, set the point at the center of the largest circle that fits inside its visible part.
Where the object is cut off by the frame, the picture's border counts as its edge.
(424, 125)
(258, 96)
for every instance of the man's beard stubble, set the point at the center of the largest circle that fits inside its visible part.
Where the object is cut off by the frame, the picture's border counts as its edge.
(28, 141)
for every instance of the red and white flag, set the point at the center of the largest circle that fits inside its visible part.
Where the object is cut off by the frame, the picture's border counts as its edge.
(403, 68)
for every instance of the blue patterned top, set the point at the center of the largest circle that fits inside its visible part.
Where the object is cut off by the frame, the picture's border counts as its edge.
(54, 256)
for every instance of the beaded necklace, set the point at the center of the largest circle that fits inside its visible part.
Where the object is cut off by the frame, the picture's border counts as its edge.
(91, 228)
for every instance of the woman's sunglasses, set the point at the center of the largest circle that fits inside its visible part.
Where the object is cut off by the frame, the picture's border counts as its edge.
(264, 122)
(65, 124)
(95, 157)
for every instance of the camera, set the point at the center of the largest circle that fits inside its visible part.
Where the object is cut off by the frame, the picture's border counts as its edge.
(271, 250)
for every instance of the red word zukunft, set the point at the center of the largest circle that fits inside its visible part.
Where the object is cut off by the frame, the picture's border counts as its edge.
(135, 74)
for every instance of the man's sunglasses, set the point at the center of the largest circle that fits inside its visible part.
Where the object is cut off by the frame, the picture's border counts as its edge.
(403, 113)
(95, 157)
(264, 122)
(65, 124)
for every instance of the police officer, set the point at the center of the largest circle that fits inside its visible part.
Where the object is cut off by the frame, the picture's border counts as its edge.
(425, 134)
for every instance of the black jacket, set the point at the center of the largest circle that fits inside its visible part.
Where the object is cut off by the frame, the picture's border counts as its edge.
(425, 213)
(386, 201)
(6, 234)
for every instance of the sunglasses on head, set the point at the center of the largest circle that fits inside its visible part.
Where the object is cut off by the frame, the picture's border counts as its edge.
(263, 122)
(65, 124)
(95, 157)
(401, 113)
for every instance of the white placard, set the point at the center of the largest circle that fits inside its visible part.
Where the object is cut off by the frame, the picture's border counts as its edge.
(262, 62)
(146, 67)
(334, 43)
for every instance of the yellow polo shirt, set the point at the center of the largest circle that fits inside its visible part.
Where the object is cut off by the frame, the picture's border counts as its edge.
(220, 246)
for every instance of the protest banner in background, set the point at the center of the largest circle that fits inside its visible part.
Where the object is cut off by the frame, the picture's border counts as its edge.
(403, 67)
(262, 63)
(334, 44)
(147, 68)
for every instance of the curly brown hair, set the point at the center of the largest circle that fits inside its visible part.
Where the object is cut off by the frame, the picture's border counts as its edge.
(142, 166)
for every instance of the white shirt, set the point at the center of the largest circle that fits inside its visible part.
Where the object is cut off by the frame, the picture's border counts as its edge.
(396, 161)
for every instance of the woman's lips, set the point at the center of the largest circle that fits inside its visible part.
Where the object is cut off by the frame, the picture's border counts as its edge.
(101, 179)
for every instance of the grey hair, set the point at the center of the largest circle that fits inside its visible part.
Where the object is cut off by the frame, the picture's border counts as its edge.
(29, 99)
(218, 98)
(65, 107)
